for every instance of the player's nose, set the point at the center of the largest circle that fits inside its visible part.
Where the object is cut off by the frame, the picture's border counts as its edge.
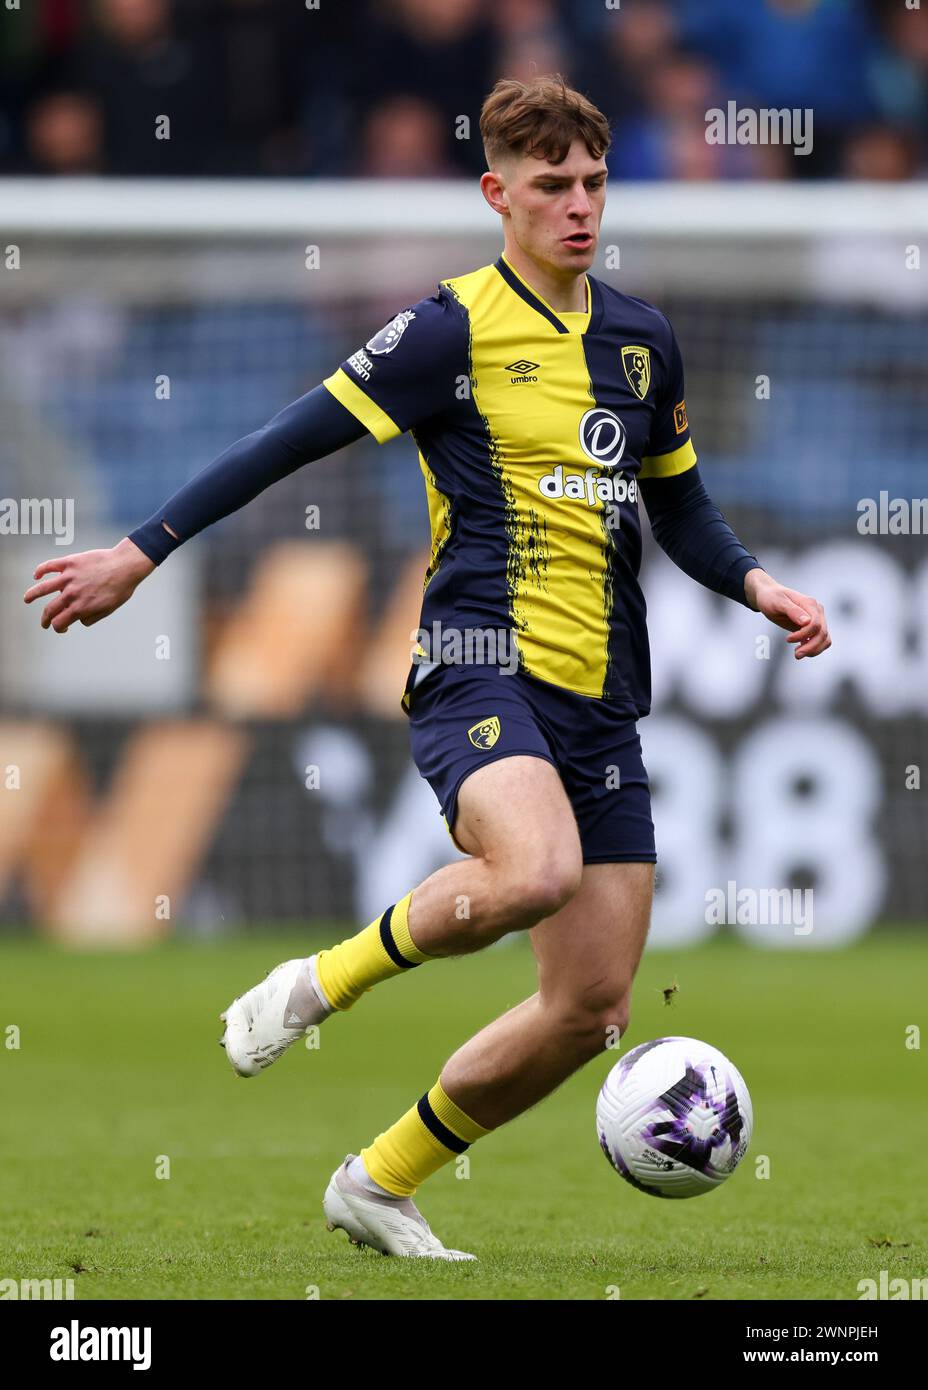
(580, 204)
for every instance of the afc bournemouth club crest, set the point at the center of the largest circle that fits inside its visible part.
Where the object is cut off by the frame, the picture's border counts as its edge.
(637, 364)
(484, 734)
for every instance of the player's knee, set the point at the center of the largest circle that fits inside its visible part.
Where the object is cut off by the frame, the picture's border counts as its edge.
(596, 1021)
(533, 892)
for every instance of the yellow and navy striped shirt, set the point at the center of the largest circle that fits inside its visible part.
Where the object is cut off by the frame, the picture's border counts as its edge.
(533, 428)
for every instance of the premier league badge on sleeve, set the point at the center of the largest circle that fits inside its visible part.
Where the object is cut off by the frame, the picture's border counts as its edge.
(386, 340)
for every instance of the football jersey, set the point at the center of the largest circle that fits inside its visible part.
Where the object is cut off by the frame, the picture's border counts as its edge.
(533, 427)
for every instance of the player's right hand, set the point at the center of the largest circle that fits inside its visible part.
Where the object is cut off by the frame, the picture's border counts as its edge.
(90, 585)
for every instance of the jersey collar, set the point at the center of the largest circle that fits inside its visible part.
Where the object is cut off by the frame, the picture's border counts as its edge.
(524, 291)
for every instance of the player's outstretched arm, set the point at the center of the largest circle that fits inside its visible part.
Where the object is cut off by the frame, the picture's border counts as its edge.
(92, 584)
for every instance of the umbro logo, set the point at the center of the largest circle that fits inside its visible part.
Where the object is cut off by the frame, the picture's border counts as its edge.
(522, 369)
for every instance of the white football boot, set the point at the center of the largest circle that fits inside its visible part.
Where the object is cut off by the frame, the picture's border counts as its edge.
(394, 1227)
(262, 1023)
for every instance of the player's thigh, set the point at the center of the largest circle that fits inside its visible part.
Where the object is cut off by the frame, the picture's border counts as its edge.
(588, 952)
(515, 812)
(478, 740)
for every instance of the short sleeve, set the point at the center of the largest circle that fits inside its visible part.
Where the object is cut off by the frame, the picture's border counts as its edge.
(670, 449)
(407, 372)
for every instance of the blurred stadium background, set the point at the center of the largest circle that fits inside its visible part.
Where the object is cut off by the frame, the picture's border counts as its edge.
(228, 752)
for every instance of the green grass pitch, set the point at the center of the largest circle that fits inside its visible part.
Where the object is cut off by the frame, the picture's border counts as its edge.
(118, 1065)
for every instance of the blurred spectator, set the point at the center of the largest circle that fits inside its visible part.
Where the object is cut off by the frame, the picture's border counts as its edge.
(404, 138)
(636, 40)
(802, 53)
(142, 70)
(881, 153)
(441, 51)
(899, 66)
(328, 96)
(809, 55)
(529, 40)
(668, 139)
(257, 46)
(64, 134)
(257, 87)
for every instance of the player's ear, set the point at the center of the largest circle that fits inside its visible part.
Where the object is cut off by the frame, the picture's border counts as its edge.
(493, 189)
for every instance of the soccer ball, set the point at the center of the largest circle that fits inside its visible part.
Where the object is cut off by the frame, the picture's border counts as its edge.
(674, 1117)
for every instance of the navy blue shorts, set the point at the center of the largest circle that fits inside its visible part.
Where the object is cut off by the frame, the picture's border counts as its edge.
(463, 717)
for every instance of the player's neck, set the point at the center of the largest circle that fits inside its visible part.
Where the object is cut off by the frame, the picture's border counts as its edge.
(565, 294)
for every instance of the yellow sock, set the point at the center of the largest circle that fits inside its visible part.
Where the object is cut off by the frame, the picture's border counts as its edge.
(380, 951)
(423, 1140)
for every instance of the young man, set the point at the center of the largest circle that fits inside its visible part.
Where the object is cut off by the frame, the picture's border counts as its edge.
(541, 401)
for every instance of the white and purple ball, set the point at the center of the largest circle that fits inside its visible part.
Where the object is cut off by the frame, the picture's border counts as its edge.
(674, 1117)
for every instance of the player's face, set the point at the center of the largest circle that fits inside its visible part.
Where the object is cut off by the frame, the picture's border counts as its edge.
(556, 209)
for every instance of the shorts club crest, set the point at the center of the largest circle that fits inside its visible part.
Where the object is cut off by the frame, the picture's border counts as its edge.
(484, 734)
(583, 738)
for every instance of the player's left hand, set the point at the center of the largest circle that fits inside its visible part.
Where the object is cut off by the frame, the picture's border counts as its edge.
(89, 585)
(802, 616)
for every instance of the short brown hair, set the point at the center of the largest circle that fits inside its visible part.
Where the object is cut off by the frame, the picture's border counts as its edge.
(540, 118)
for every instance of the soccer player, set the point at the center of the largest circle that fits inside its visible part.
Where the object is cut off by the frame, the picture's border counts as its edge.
(542, 402)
